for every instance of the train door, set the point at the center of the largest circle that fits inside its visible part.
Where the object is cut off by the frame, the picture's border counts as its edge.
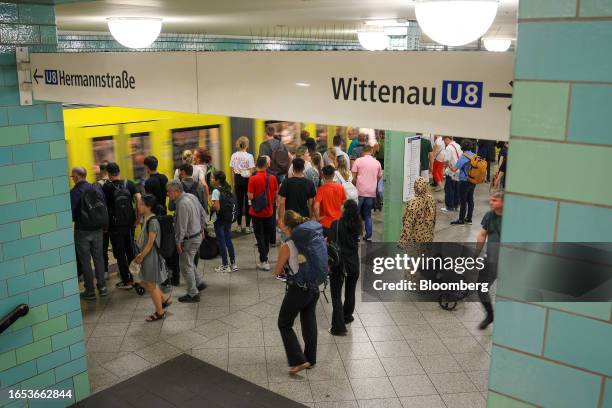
(206, 137)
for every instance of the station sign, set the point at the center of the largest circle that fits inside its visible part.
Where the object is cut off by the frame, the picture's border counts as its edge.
(465, 94)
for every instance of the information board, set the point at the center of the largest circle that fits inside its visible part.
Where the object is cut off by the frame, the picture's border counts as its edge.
(412, 164)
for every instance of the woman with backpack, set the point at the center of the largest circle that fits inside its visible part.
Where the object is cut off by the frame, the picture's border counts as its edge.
(224, 207)
(345, 233)
(300, 256)
(152, 266)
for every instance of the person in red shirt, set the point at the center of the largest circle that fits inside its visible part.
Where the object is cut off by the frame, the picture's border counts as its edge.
(263, 220)
(329, 199)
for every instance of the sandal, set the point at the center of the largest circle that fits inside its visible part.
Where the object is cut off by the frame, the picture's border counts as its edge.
(297, 369)
(166, 303)
(155, 317)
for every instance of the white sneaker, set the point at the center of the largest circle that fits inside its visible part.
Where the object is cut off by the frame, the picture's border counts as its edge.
(223, 269)
(264, 266)
(233, 267)
(249, 230)
(444, 209)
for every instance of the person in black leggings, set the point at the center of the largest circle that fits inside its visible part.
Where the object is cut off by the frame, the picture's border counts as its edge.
(242, 164)
(345, 232)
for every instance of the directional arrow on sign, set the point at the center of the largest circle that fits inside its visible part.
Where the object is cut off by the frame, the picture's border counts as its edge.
(36, 76)
(503, 95)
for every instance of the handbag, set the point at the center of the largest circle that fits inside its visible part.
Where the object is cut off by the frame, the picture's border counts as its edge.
(209, 248)
(260, 202)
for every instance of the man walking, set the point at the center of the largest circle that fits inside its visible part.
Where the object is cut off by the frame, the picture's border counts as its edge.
(452, 152)
(329, 199)
(366, 174)
(88, 238)
(189, 224)
(155, 183)
(296, 193)
(466, 188)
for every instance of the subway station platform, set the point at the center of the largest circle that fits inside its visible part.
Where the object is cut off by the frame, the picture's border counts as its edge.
(395, 354)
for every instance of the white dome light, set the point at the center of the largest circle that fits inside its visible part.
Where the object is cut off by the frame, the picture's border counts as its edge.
(135, 32)
(373, 40)
(497, 44)
(455, 22)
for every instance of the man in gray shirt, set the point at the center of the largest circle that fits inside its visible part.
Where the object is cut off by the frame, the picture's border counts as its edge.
(189, 224)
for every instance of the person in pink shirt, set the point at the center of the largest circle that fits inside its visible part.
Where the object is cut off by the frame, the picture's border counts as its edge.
(366, 173)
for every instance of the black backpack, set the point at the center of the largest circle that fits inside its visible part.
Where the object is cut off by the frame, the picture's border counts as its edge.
(279, 162)
(167, 245)
(209, 248)
(194, 190)
(227, 206)
(94, 213)
(122, 210)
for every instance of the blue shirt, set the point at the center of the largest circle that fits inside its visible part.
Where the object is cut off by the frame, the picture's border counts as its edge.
(463, 164)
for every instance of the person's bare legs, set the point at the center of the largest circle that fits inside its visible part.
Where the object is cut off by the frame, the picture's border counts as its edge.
(156, 296)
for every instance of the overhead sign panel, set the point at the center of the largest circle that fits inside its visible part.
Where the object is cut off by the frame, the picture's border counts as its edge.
(140, 80)
(454, 93)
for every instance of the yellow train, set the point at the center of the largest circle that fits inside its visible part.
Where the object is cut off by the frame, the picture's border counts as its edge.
(126, 136)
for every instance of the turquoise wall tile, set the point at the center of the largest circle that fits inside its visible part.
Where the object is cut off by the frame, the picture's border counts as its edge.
(71, 369)
(3, 289)
(42, 260)
(607, 401)
(46, 294)
(46, 132)
(77, 350)
(584, 223)
(67, 338)
(523, 327)
(8, 13)
(14, 267)
(64, 219)
(6, 156)
(9, 96)
(590, 120)
(21, 247)
(66, 304)
(541, 382)
(580, 342)
(74, 319)
(25, 283)
(9, 232)
(55, 112)
(13, 135)
(30, 152)
(61, 185)
(53, 204)
(55, 359)
(16, 174)
(598, 310)
(17, 338)
(17, 211)
(67, 253)
(71, 286)
(34, 189)
(533, 219)
(48, 35)
(19, 34)
(4, 111)
(56, 239)
(19, 373)
(9, 78)
(24, 115)
(50, 168)
(595, 8)
(547, 8)
(557, 51)
(36, 14)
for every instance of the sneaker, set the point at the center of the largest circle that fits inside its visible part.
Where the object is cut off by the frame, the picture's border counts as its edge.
(103, 291)
(263, 266)
(88, 295)
(189, 299)
(234, 267)
(445, 210)
(126, 286)
(202, 286)
(249, 230)
(367, 239)
(282, 277)
(468, 222)
(223, 269)
(457, 222)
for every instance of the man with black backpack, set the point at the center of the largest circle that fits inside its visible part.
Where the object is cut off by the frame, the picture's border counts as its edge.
(192, 186)
(90, 216)
(120, 197)
(278, 154)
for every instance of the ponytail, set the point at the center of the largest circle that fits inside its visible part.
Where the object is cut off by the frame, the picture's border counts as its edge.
(292, 219)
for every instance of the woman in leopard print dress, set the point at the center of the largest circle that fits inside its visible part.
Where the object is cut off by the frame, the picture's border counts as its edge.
(419, 216)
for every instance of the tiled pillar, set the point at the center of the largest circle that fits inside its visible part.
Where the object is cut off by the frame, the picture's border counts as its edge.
(45, 349)
(559, 190)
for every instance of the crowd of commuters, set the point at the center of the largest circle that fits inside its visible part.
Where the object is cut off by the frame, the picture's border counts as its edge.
(316, 190)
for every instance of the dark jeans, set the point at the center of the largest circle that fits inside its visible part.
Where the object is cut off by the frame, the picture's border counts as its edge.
(242, 201)
(105, 244)
(263, 228)
(488, 275)
(302, 302)
(489, 165)
(366, 204)
(273, 232)
(343, 312)
(451, 193)
(466, 194)
(123, 250)
(224, 239)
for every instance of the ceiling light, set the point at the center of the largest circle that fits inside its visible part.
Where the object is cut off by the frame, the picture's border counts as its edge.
(497, 44)
(455, 22)
(135, 32)
(373, 40)
(302, 84)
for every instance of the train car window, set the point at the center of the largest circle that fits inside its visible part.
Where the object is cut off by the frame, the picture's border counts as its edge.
(206, 137)
(103, 151)
(287, 132)
(140, 146)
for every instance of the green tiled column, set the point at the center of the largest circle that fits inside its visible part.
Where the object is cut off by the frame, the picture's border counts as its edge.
(559, 189)
(45, 349)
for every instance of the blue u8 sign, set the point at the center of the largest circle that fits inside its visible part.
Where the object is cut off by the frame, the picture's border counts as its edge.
(51, 77)
(462, 94)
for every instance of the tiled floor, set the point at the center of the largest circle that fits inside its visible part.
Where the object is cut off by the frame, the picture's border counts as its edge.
(396, 354)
